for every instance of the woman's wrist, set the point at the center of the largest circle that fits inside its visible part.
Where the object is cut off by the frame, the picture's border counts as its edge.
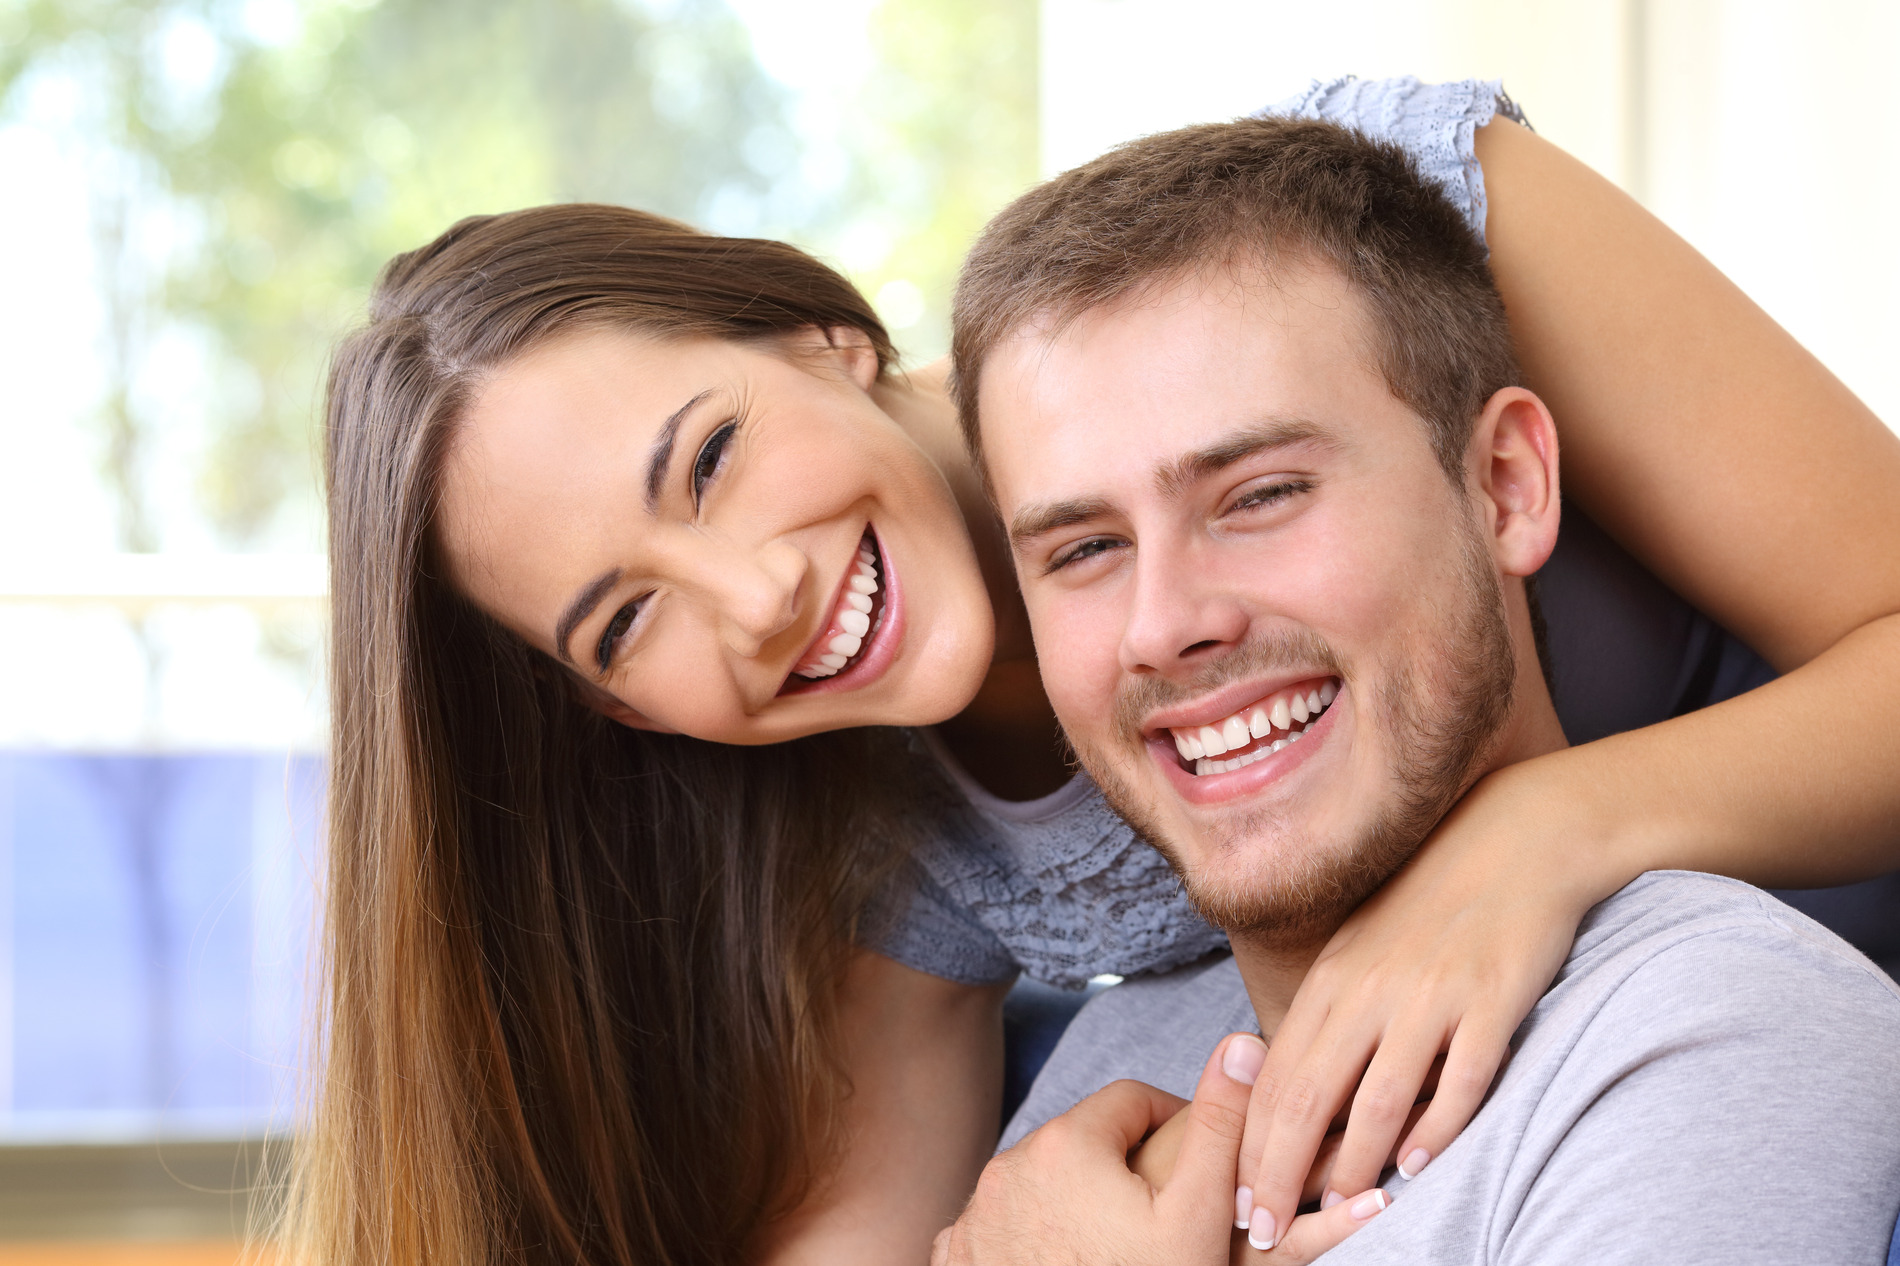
(1563, 807)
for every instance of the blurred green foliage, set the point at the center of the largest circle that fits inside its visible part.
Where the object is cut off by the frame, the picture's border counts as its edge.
(299, 144)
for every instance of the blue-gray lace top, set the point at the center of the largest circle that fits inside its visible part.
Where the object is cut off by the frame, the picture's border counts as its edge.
(1061, 889)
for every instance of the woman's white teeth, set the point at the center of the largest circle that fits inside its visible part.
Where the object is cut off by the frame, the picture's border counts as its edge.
(1202, 745)
(850, 623)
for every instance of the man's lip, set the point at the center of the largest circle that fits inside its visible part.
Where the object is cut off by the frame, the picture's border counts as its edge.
(1250, 780)
(1223, 703)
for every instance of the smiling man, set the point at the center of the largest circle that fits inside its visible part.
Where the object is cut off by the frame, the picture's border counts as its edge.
(1246, 401)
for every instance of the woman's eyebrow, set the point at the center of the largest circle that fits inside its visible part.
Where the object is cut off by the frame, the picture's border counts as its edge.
(660, 456)
(581, 607)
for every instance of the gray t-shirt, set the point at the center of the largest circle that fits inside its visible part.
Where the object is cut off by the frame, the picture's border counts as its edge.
(1713, 1077)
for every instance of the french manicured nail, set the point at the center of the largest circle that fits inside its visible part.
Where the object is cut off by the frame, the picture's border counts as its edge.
(1260, 1230)
(1243, 1059)
(1243, 1208)
(1330, 1199)
(1365, 1206)
(1415, 1160)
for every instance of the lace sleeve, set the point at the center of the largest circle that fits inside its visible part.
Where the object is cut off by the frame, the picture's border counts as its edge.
(1435, 123)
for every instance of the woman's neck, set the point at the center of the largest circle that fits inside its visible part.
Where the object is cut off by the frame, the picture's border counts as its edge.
(1007, 738)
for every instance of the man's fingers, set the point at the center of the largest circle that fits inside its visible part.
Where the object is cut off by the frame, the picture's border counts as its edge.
(1313, 1233)
(940, 1248)
(1382, 1107)
(1478, 1050)
(1204, 1168)
(1120, 1114)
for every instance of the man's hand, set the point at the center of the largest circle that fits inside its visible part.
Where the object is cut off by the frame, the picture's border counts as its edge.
(1067, 1194)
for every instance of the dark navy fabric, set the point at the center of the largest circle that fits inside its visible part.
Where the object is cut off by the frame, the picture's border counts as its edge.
(1625, 652)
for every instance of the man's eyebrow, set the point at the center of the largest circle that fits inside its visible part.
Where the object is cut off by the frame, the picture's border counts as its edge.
(581, 607)
(1035, 520)
(1175, 477)
(660, 456)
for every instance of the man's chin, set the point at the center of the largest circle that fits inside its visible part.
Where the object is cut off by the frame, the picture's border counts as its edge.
(1297, 893)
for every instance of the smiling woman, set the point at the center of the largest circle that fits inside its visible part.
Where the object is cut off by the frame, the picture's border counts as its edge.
(582, 977)
(584, 506)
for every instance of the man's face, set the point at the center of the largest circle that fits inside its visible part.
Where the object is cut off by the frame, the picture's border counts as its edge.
(1269, 623)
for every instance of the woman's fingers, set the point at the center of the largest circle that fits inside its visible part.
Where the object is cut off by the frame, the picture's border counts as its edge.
(1291, 1041)
(1313, 1233)
(1383, 1106)
(1322, 1170)
(1303, 1110)
(1478, 1051)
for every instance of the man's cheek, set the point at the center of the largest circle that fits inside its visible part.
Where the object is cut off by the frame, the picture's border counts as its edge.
(1080, 668)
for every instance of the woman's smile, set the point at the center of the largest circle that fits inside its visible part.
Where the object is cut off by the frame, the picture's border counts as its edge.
(859, 639)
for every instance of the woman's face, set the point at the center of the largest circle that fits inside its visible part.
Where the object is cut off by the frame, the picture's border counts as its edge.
(686, 526)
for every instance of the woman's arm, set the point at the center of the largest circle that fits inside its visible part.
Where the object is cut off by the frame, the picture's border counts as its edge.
(1730, 462)
(925, 1058)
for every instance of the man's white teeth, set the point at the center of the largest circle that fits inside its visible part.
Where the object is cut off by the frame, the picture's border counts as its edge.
(1203, 745)
(850, 624)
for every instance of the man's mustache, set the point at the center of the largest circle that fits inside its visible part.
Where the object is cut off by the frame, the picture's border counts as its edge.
(1281, 650)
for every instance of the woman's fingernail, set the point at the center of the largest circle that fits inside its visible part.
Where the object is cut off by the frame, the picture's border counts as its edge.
(1372, 1202)
(1244, 1057)
(1330, 1199)
(1260, 1230)
(1243, 1207)
(1415, 1160)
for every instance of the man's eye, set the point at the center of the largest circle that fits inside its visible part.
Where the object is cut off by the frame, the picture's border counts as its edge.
(1083, 550)
(616, 629)
(711, 453)
(1269, 494)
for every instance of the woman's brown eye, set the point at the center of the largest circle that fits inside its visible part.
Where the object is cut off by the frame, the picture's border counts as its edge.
(706, 465)
(616, 628)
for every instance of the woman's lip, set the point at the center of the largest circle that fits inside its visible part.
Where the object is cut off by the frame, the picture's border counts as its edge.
(881, 647)
(1237, 784)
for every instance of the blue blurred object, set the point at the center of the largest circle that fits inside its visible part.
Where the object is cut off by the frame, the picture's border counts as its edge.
(1034, 1016)
(154, 925)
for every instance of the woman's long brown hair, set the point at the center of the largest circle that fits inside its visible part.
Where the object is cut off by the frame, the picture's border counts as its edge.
(577, 1004)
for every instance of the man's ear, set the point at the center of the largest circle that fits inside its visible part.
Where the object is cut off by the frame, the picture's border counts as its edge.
(844, 348)
(1514, 452)
(613, 708)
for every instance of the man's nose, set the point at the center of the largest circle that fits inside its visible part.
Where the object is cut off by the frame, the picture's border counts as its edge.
(756, 594)
(1179, 614)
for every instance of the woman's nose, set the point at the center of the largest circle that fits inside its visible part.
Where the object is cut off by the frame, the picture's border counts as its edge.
(757, 594)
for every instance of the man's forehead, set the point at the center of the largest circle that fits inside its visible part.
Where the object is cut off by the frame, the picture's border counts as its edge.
(1154, 380)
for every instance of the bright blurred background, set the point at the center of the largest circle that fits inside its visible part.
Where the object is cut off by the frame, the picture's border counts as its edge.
(195, 195)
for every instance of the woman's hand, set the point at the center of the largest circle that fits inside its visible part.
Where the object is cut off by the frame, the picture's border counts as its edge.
(1446, 960)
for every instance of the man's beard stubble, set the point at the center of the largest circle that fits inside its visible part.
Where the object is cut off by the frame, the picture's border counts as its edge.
(1442, 708)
